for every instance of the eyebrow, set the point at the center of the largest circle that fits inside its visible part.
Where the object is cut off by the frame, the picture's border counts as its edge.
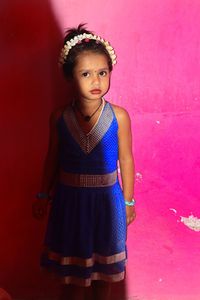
(99, 70)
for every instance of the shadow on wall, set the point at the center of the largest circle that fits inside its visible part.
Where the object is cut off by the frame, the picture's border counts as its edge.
(32, 86)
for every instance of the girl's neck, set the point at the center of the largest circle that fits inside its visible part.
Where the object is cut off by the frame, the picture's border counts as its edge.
(86, 104)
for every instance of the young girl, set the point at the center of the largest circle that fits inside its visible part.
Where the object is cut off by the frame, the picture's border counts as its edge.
(85, 241)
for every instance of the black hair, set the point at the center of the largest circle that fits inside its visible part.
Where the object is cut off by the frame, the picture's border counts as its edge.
(91, 45)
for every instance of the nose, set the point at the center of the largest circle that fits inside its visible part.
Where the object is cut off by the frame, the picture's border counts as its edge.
(95, 79)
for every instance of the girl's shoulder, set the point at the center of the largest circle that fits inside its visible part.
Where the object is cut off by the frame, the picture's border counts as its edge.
(57, 113)
(120, 113)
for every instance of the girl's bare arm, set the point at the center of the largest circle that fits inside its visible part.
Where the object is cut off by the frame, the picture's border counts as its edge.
(51, 161)
(126, 159)
(50, 171)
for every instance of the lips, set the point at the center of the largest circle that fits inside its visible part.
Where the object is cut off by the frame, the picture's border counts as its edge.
(95, 91)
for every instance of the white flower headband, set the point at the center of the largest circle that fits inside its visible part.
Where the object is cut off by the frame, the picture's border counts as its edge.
(87, 37)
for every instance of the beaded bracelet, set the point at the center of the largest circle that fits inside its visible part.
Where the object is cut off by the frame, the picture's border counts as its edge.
(43, 196)
(130, 203)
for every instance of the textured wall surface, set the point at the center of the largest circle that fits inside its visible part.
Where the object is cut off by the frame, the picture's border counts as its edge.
(157, 81)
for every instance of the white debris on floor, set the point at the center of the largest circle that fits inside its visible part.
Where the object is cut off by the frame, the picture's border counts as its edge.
(191, 222)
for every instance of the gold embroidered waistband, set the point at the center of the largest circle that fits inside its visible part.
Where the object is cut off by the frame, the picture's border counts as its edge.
(88, 180)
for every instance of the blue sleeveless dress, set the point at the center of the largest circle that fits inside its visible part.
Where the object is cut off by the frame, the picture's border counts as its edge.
(86, 233)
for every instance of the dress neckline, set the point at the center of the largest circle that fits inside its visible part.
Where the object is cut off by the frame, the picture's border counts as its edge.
(79, 128)
(88, 141)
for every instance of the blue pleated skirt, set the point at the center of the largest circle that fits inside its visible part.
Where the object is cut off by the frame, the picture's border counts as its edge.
(86, 234)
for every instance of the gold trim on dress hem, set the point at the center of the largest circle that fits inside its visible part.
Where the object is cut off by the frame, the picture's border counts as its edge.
(86, 262)
(95, 276)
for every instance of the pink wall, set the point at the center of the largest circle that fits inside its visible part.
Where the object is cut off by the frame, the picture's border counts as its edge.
(157, 80)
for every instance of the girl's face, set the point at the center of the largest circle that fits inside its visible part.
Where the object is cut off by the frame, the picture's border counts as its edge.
(91, 75)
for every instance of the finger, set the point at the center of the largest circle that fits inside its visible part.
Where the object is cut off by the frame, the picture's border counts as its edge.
(129, 220)
(41, 212)
(38, 214)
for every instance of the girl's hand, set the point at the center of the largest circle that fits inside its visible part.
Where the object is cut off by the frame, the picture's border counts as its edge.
(39, 208)
(130, 214)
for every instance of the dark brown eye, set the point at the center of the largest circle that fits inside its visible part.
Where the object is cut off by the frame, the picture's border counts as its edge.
(85, 74)
(103, 73)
